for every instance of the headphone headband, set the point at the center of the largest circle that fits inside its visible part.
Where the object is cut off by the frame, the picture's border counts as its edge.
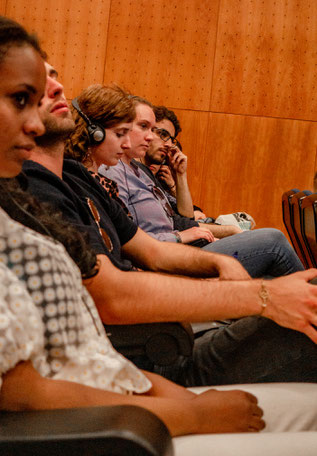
(96, 132)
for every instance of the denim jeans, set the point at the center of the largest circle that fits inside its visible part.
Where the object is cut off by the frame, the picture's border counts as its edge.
(247, 350)
(250, 349)
(263, 252)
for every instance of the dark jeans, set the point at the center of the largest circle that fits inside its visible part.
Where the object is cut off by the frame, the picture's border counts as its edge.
(251, 349)
(248, 350)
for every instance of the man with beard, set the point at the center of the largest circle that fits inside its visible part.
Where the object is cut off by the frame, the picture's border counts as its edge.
(173, 175)
(172, 289)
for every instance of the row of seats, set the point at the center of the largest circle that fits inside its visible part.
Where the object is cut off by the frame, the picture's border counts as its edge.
(300, 220)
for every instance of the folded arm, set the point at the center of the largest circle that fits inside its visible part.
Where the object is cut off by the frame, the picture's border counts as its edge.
(142, 297)
(221, 231)
(182, 412)
(178, 164)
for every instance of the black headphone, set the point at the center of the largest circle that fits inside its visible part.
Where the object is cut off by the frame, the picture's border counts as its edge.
(96, 132)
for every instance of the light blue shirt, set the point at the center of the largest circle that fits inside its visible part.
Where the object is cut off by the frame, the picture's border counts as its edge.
(147, 209)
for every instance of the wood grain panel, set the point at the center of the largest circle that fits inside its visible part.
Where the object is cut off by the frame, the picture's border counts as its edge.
(266, 58)
(251, 161)
(163, 49)
(194, 139)
(73, 33)
(3, 7)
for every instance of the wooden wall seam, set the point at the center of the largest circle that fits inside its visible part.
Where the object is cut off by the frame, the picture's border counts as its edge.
(225, 66)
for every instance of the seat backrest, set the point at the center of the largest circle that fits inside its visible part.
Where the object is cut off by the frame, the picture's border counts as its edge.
(309, 226)
(288, 223)
(296, 213)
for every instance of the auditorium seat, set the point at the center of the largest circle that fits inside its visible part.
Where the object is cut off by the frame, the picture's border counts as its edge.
(309, 226)
(288, 223)
(296, 202)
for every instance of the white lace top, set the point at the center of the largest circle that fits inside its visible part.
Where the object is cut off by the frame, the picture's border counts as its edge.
(48, 317)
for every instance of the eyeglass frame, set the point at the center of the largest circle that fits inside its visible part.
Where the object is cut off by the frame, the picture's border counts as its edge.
(161, 131)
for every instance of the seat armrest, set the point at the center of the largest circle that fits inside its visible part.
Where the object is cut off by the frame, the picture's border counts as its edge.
(162, 343)
(93, 431)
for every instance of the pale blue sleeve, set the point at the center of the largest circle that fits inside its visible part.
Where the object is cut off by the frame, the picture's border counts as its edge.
(146, 215)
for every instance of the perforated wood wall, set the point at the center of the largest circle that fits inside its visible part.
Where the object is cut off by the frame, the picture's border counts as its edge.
(3, 6)
(266, 58)
(164, 49)
(240, 74)
(73, 33)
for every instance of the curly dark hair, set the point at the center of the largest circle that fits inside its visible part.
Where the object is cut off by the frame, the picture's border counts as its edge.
(13, 34)
(161, 113)
(43, 218)
(106, 105)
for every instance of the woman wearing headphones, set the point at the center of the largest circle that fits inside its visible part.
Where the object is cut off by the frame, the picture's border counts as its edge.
(103, 140)
(54, 352)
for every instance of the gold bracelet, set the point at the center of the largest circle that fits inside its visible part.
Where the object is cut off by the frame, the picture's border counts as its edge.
(264, 295)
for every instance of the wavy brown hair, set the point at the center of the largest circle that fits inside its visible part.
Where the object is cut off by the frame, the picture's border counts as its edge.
(105, 105)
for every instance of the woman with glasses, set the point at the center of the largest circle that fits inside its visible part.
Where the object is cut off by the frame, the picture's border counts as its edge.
(54, 352)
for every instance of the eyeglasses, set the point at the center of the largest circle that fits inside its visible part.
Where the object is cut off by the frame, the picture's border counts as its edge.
(158, 193)
(164, 134)
(94, 211)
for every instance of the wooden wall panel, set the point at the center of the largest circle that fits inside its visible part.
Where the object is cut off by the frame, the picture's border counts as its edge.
(73, 33)
(3, 7)
(163, 49)
(209, 60)
(266, 58)
(194, 139)
(251, 161)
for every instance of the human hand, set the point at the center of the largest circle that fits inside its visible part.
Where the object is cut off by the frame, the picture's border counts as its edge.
(165, 175)
(227, 411)
(177, 160)
(293, 302)
(154, 167)
(194, 233)
(199, 215)
(230, 269)
(232, 229)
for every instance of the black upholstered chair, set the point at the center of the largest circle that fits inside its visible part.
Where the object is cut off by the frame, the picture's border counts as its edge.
(96, 431)
(160, 343)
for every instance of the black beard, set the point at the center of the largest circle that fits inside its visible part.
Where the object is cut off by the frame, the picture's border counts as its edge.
(153, 161)
(55, 133)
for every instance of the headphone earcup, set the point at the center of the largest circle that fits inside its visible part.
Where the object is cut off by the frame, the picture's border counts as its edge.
(96, 133)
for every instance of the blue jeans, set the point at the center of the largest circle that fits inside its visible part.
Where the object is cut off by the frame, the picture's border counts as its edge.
(263, 252)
